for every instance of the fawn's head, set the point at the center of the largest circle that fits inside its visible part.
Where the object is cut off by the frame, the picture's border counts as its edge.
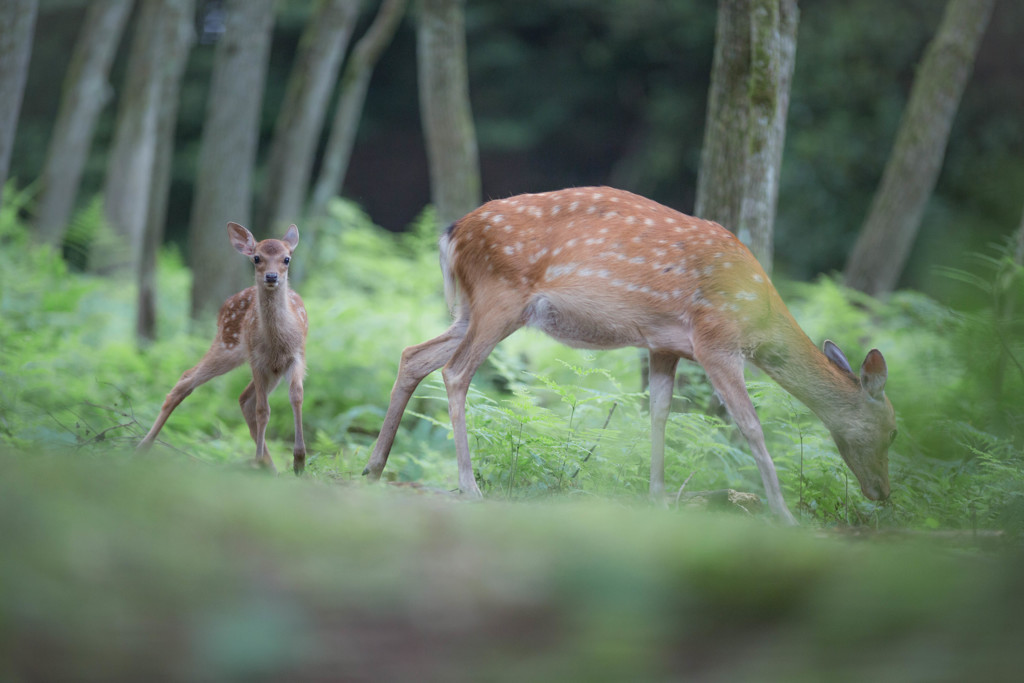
(867, 428)
(271, 257)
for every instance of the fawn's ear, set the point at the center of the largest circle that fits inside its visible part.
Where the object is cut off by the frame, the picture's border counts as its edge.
(241, 239)
(291, 238)
(873, 374)
(836, 355)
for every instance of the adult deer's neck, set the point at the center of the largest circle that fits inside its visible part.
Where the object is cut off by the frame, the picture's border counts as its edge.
(789, 357)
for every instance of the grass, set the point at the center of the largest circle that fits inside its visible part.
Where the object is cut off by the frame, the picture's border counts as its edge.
(130, 567)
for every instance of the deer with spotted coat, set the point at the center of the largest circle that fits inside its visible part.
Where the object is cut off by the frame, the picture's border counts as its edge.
(601, 268)
(265, 325)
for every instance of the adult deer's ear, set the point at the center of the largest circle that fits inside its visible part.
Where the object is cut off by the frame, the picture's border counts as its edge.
(873, 374)
(241, 239)
(836, 355)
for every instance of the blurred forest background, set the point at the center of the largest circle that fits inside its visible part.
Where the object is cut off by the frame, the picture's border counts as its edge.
(594, 92)
(143, 127)
(132, 130)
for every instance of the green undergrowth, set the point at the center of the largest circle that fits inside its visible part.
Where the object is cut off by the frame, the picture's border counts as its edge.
(120, 567)
(546, 422)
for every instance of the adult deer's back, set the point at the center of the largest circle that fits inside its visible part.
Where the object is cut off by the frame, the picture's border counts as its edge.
(603, 268)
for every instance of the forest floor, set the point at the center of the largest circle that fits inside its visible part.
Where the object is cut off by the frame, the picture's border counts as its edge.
(123, 567)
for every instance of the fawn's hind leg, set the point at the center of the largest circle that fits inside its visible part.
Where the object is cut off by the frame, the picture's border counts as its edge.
(216, 362)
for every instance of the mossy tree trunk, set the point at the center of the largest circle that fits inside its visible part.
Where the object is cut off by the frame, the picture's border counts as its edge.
(445, 109)
(894, 219)
(228, 151)
(17, 27)
(738, 183)
(300, 120)
(86, 91)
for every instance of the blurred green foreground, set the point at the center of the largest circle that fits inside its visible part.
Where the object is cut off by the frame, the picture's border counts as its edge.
(137, 568)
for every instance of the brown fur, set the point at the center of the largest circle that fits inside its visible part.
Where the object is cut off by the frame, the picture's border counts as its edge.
(603, 268)
(266, 325)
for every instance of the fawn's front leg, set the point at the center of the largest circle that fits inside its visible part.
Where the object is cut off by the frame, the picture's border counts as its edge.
(261, 417)
(295, 396)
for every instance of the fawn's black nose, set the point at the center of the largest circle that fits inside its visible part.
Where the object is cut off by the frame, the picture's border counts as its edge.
(270, 278)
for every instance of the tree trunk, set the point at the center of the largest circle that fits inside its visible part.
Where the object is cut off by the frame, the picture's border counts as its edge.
(85, 93)
(126, 189)
(1018, 248)
(228, 151)
(892, 224)
(445, 110)
(721, 180)
(352, 94)
(301, 118)
(738, 182)
(772, 57)
(17, 27)
(177, 28)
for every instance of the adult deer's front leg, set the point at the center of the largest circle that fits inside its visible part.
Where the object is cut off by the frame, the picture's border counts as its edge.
(417, 362)
(662, 379)
(725, 370)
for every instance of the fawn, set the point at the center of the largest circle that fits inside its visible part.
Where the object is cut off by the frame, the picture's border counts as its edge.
(265, 325)
(603, 268)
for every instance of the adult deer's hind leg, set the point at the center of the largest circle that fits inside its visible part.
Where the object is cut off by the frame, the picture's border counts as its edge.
(485, 331)
(417, 362)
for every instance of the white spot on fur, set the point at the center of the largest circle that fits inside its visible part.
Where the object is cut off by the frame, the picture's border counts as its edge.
(558, 271)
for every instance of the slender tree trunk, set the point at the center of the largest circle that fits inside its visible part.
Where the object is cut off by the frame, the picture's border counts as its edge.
(17, 27)
(228, 151)
(445, 109)
(86, 91)
(300, 121)
(1007, 325)
(1018, 248)
(738, 182)
(892, 224)
(352, 94)
(126, 189)
(178, 30)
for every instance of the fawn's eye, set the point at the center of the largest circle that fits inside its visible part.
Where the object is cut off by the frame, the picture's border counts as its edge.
(256, 259)
(892, 436)
(287, 260)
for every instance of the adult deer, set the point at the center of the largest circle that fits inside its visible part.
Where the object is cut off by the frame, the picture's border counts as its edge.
(265, 325)
(602, 268)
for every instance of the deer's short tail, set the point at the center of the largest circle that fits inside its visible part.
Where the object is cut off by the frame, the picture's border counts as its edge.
(451, 285)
